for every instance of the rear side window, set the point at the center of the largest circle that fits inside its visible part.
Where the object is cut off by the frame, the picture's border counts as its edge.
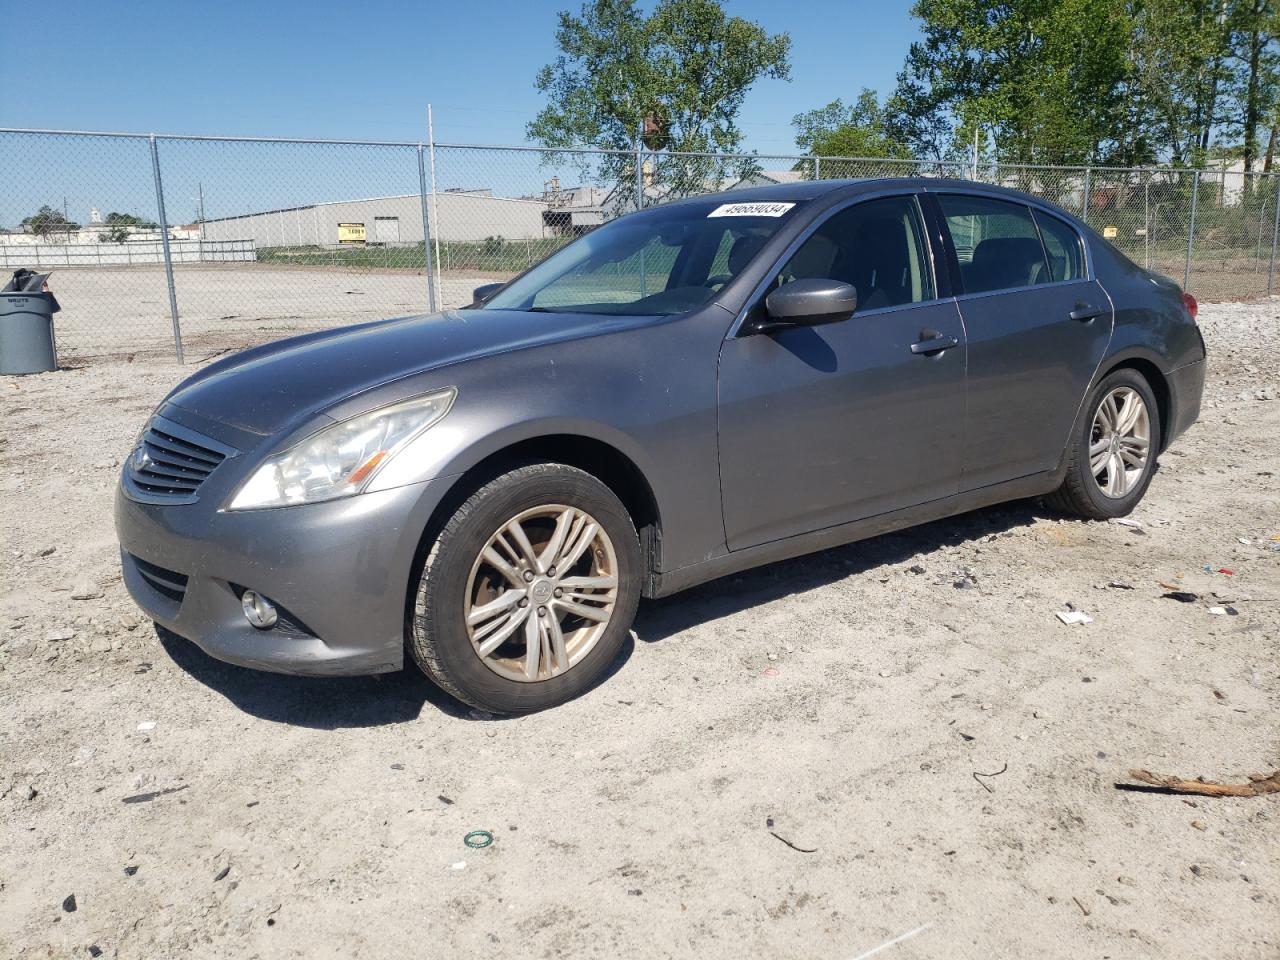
(996, 243)
(1062, 244)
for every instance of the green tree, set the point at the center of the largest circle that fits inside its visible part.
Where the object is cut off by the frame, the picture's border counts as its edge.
(1044, 79)
(118, 225)
(853, 130)
(682, 72)
(47, 220)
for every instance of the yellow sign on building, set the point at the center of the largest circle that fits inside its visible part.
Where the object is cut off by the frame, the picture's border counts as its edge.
(351, 233)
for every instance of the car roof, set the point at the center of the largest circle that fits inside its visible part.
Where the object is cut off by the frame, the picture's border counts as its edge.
(812, 189)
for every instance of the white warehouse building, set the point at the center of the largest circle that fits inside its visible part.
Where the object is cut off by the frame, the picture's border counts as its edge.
(458, 215)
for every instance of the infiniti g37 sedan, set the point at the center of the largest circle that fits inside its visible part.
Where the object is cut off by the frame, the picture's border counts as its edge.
(685, 392)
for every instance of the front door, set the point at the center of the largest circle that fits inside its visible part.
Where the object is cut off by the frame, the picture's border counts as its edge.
(1038, 327)
(822, 425)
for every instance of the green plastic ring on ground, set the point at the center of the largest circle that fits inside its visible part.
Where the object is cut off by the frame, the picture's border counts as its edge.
(478, 839)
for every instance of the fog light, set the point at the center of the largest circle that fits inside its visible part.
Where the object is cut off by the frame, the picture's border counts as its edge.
(258, 610)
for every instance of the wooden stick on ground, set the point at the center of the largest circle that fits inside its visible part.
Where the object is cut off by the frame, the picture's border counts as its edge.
(1259, 784)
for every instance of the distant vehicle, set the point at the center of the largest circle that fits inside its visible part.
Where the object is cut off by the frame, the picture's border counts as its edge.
(686, 392)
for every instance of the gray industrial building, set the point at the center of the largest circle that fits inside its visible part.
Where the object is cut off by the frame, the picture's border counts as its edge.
(457, 215)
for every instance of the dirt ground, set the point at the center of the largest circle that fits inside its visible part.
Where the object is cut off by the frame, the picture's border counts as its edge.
(808, 760)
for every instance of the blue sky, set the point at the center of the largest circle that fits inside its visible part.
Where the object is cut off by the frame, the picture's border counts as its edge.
(368, 69)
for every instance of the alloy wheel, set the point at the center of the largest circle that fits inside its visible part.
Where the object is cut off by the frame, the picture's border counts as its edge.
(1120, 442)
(541, 593)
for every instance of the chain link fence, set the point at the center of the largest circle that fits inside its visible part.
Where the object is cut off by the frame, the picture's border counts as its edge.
(198, 245)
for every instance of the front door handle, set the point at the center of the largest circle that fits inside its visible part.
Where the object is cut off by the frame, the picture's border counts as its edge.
(1084, 312)
(933, 345)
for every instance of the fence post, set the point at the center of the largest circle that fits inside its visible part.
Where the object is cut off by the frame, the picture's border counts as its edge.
(426, 233)
(1191, 231)
(1088, 184)
(639, 168)
(817, 168)
(644, 269)
(168, 256)
(1275, 231)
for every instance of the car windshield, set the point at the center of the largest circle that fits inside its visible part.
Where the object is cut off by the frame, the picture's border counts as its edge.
(660, 262)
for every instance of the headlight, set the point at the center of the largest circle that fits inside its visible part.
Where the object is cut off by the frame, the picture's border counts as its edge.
(340, 460)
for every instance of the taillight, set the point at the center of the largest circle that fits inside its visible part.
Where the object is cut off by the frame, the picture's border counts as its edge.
(1189, 302)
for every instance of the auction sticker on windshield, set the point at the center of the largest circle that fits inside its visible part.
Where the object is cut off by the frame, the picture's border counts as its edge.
(750, 210)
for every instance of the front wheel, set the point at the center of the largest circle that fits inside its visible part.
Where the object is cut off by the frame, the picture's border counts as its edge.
(1113, 454)
(527, 595)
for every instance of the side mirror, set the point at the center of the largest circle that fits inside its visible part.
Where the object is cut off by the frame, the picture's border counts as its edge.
(809, 302)
(483, 292)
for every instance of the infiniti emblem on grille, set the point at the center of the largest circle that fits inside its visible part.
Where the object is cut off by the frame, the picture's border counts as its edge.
(141, 458)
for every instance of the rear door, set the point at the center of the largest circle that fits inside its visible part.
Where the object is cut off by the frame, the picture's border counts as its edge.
(1038, 326)
(820, 425)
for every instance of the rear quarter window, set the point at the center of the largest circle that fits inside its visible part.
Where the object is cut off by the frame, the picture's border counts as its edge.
(1064, 247)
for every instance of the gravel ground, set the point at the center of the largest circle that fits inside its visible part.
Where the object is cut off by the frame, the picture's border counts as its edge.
(782, 764)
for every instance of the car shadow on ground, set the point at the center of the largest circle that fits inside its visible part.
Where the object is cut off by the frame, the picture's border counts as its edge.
(660, 619)
(333, 703)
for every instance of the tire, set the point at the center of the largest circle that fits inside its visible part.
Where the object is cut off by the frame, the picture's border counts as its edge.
(458, 584)
(1082, 493)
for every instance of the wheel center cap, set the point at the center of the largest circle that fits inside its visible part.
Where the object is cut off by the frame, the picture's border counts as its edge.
(541, 591)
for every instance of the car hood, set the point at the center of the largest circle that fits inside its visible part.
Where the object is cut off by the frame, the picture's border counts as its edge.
(268, 388)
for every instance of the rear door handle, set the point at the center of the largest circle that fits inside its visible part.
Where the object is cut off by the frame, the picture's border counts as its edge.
(934, 345)
(1085, 312)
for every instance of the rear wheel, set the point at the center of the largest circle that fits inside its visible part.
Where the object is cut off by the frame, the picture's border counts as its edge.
(1113, 453)
(529, 590)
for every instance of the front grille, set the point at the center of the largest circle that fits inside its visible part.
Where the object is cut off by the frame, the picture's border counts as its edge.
(165, 582)
(171, 462)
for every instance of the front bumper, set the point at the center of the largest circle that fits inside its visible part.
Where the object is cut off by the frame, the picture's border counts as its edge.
(340, 571)
(1186, 387)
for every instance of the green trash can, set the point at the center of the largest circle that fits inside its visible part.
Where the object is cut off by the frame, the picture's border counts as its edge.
(26, 324)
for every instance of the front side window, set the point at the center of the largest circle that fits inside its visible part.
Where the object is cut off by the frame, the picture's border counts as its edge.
(876, 246)
(660, 262)
(996, 243)
(1062, 244)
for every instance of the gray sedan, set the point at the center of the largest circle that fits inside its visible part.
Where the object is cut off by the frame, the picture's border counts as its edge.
(683, 393)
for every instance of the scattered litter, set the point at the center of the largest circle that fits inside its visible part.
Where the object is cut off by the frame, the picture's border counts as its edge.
(1082, 907)
(771, 656)
(1227, 571)
(130, 870)
(146, 726)
(896, 940)
(1127, 523)
(148, 797)
(886, 673)
(1182, 596)
(966, 736)
(222, 873)
(1200, 825)
(1071, 617)
(1259, 785)
(460, 865)
(986, 786)
(397, 766)
(445, 800)
(478, 839)
(769, 825)
(1219, 694)
(1245, 540)
(1231, 611)
(1218, 611)
(1120, 585)
(69, 904)
(770, 672)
